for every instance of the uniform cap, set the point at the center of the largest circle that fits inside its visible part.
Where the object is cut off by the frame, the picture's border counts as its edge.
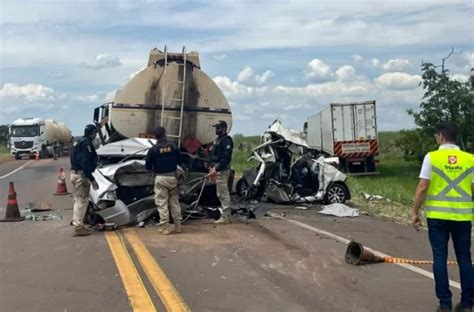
(220, 124)
(89, 129)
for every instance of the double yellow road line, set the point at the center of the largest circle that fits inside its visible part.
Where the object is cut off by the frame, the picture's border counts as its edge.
(139, 298)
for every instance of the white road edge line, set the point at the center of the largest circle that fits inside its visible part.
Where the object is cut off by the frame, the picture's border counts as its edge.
(16, 170)
(346, 241)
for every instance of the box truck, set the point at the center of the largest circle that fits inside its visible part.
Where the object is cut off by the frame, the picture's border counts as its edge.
(347, 131)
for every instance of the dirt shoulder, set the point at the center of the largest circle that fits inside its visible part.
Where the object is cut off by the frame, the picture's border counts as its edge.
(5, 158)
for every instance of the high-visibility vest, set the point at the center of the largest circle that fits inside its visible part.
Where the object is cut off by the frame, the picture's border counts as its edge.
(449, 195)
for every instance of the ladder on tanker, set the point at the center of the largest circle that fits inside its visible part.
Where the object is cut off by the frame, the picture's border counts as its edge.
(168, 102)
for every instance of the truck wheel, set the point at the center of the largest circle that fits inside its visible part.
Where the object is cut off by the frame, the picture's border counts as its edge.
(336, 193)
(17, 157)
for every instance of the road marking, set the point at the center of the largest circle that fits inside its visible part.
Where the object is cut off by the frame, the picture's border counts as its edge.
(139, 298)
(346, 241)
(163, 286)
(16, 170)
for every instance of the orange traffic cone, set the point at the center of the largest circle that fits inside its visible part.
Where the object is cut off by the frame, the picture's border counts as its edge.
(13, 213)
(37, 156)
(356, 254)
(61, 188)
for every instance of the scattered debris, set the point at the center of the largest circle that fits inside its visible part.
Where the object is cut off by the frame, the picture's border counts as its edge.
(372, 197)
(106, 227)
(29, 215)
(302, 207)
(339, 210)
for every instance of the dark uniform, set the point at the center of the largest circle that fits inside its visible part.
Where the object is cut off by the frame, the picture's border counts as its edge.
(163, 159)
(221, 156)
(83, 163)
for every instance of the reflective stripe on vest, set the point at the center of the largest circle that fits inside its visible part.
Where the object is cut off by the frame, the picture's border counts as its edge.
(449, 195)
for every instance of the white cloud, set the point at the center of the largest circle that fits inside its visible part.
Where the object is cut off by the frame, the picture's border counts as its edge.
(398, 81)
(29, 92)
(317, 69)
(241, 117)
(89, 98)
(220, 57)
(357, 58)
(26, 98)
(470, 59)
(345, 72)
(375, 62)
(264, 77)
(396, 65)
(235, 89)
(104, 61)
(274, 116)
(246, 74)
(461, 77)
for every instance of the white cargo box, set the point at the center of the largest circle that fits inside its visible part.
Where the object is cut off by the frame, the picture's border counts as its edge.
(344, 130)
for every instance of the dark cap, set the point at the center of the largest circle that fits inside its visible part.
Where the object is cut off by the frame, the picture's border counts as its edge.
(160, 133)
(220, 124)
(89, 129)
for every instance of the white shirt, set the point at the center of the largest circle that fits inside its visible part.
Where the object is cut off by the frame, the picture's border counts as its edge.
(426, 167)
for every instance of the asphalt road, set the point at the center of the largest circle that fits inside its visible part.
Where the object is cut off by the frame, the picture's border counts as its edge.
(267, 264)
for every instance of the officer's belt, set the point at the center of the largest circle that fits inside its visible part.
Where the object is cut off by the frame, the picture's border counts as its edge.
(165, 174)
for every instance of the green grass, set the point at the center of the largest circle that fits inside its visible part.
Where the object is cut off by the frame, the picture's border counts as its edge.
(4, 150)
(396, 181)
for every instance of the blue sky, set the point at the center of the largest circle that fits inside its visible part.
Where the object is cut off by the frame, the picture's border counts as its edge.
(272, 59)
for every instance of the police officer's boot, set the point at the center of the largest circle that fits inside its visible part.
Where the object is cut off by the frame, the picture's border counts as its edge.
(225, 217)
(167, 230)
(81, 231)
(177, 227)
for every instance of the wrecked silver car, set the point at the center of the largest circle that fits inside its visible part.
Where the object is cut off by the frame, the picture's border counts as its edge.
(289, 172)
(126, 189)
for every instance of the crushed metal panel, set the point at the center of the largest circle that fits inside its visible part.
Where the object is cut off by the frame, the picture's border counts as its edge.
(290, 135)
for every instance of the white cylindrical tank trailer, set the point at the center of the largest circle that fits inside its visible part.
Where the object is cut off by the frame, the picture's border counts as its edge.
(56, 132)
(137, 108)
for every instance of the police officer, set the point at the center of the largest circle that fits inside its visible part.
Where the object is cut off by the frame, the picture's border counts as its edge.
(221, 156)
(83, 163)
(163, 159)
(446, 187)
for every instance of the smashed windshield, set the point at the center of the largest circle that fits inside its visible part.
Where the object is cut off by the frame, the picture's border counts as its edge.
(25, 131)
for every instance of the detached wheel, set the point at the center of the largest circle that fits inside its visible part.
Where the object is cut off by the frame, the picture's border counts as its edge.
(336, 193)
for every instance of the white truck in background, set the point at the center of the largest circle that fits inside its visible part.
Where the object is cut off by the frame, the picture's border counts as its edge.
(347, 131)
(32, 136)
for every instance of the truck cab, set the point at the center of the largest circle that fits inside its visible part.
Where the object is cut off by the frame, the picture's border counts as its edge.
(26, 137)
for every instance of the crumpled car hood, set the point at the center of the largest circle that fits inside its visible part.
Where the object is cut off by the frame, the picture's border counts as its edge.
(134, 146)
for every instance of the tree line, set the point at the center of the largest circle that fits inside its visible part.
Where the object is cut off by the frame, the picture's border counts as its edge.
(4, 135)
(444, 99)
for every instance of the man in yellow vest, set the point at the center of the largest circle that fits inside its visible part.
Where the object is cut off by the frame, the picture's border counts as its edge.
(446, 188)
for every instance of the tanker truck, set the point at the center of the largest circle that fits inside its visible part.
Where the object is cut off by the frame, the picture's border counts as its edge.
(32, 136)
(171, 91)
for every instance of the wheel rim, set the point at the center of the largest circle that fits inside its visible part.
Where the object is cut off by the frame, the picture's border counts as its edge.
(336, 194)
(243, 188)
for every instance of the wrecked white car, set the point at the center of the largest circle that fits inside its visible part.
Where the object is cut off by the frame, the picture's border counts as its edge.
(126, 189)
(289, 172)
